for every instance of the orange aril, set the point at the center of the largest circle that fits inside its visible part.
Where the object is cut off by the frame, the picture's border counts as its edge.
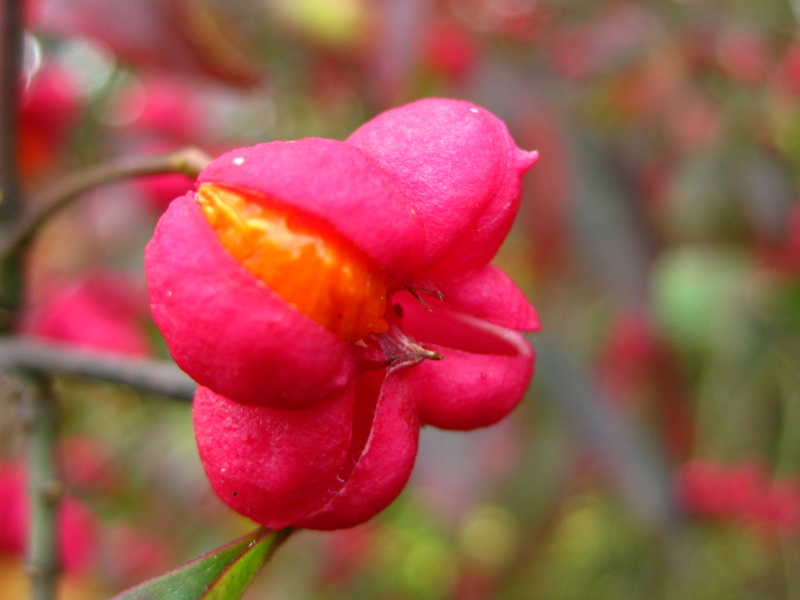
(302, 258)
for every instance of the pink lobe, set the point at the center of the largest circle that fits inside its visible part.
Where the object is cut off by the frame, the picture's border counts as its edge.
(271, 465)
(227, 329)
(382, 468)
(490, 294)
(482, 376)
(461, 170)
(337, 183)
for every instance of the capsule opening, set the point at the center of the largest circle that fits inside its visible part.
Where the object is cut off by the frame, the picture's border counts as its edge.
(302, 258)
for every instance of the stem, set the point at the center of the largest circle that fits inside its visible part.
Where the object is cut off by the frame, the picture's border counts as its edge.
(189, 161)
(11, 36)
(146, 375)
(44, 494)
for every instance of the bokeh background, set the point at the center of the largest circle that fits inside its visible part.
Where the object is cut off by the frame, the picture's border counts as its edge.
(658, 452)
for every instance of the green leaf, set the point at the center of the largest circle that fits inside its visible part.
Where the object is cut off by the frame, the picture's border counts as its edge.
(222, 574)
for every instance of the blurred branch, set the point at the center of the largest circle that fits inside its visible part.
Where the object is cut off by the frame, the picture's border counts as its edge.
(147, 375)
(189, 161)
(11, 53)
(639, 469)
(45, 491)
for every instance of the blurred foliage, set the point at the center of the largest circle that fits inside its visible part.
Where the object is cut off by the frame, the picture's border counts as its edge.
(659, 239)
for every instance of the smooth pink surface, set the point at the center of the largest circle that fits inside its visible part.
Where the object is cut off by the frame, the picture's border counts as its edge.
(482, 375)
(273, 466)
(490, 294)
(226, 329)
(326, 467)
(461, 170)
(381, 468)
(337, 183)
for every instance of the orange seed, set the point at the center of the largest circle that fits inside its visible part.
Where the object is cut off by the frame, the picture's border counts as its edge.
(302, 258)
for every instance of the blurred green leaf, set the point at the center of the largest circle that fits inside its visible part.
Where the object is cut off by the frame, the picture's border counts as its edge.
(698, 293)
(222, 574)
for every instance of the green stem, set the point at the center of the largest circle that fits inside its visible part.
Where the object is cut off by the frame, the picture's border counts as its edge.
(44, 493)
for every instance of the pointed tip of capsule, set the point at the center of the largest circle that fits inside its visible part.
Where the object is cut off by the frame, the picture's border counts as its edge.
(525, 159)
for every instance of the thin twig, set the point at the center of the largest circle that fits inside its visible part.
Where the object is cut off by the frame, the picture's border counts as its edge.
(45, 491)
(11, 36)
(189, 161)
(34, 356)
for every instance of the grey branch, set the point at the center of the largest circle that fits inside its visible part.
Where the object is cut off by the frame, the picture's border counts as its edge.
(147, 375)
(44, 492)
